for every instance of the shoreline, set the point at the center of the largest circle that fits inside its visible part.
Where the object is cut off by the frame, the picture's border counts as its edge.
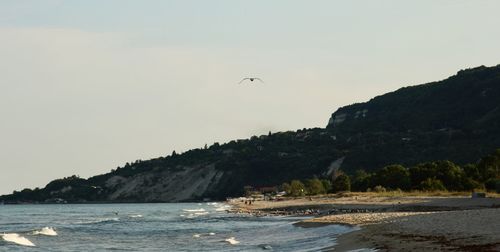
(395, 223)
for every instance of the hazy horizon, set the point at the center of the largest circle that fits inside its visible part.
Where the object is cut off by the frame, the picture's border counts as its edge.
(88, 86)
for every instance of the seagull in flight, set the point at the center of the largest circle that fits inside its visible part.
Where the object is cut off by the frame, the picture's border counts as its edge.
(250, 79)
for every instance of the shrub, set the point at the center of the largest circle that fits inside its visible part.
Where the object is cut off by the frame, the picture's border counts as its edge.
(297, 188)
(379, 189)
(327, 185)
(314, 187)
(361, 181)
(432, 184)
(393, 176)
(493, 185)
(342, 183)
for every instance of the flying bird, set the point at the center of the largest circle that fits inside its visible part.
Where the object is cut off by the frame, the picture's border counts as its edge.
(250, 79)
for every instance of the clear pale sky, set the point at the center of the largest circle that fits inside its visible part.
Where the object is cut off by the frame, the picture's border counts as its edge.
(86, 86)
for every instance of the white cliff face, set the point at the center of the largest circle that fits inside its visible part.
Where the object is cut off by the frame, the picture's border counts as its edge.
(338, 119)
(180, 184)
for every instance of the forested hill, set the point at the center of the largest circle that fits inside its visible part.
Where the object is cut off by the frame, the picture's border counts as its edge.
(456, 119)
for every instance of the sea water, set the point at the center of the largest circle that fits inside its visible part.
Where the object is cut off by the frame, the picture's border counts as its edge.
(154, 227)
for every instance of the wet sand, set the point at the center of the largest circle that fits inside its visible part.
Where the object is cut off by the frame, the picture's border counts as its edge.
(399, 223)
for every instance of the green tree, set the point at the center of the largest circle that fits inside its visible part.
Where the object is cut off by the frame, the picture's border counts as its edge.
(432, 184)
(489, 166)
(342, 183)
(361, 181)
(297, 188)
(493, 184)
(450, 174)
(314, 186)
(393, 177)
(327, 185)
(287, 188)
(471, 171)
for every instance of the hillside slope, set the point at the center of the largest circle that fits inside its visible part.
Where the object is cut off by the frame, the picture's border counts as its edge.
(456, 119)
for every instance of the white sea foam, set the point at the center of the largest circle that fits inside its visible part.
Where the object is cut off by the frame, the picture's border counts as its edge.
(194, 210)
(212, 203)
(17, 239)
(211, 233)
(267, 247)
(135, 216)
(223, 208)
(232, 241)
(201, 213)
(196, 235)
(45, 231)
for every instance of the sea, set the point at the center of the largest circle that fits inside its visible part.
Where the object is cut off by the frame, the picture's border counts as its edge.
(154, 227)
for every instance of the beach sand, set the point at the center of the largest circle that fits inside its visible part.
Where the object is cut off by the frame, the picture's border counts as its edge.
(400, 223)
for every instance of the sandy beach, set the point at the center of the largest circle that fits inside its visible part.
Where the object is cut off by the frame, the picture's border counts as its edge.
(397, 223)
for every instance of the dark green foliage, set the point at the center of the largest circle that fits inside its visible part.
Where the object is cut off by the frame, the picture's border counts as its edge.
(489, 166)
(361, 181)
(393, 177)
(456, 119)
(341, 183)
(471, 171)
(432, 184)
(296, 188)
(327, 185)
(492, 184)
(447, 172)
(314, 187)
(286, 187)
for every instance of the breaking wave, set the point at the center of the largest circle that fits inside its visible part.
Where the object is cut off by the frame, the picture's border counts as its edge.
(232, 241)
(17, 239)
(45, 231)
(194, 210)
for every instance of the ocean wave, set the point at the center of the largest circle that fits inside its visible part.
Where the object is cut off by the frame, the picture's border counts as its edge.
(201, 213)
(194, 215)
(135, 216)
(222, 208)
(45, 231)
(203, 234)
(194, 210)
(232, 241)
(17, 239)
(100, 220)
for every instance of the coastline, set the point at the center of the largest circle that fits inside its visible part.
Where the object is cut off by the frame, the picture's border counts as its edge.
(396, 223)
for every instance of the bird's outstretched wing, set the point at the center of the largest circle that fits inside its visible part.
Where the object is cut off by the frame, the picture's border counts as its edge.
(243, 80)
(258, 79)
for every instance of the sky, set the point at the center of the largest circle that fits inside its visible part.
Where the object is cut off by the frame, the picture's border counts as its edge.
(86, 86)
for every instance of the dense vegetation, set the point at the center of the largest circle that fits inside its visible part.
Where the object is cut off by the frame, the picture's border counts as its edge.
(428, 176)
(456, 119)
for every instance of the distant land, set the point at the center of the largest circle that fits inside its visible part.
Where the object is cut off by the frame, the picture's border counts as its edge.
(456, 119)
